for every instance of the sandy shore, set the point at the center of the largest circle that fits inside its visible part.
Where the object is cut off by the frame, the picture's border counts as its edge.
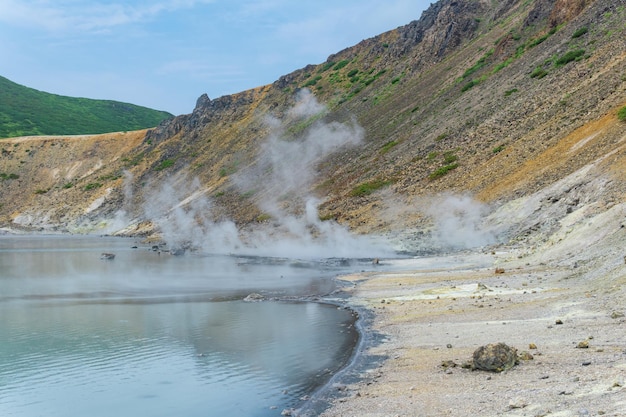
(433, 311)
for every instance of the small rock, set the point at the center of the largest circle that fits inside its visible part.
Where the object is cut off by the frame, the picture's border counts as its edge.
(532, 346)
(254, 297)
(559, 321)
(107, 256)
(586, 363)
(448, 364)
(499, 271)
(617, 315)
(583, 345)
(517, 403)
(526, 356)
(288, 412)
(449, 346)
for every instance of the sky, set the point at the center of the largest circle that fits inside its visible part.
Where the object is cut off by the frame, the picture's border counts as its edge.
(164, 54)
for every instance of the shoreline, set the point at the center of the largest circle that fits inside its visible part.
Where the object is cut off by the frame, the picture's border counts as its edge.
(430, 321)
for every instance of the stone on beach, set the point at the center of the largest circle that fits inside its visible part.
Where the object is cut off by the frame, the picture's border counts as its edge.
(495, 357)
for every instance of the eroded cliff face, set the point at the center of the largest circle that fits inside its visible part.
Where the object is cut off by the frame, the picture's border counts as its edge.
(473, 98)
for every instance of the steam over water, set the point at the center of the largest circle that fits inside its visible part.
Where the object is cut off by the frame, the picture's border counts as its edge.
(161, 335)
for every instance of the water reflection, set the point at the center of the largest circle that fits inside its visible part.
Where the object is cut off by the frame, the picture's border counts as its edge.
(81, 336)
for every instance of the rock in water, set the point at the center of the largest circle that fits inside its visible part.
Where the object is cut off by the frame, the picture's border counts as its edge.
(496, 357)
(254, 297)
(107, 256)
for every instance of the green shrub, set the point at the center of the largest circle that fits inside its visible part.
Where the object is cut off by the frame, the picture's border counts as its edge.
(538, 40)
(569, 56)
(538, 72)
(387, 146)
(478, 65)
(368, 188)
(68, 185)
(498, 149)
(580, 32)
(92, 186)
(440, 172)
(341, 64)
(502, 65)
(469, 85)
(449, 157)
(621, 114)
(328, 65)
(313, 81)
(165, 164)
(511, 91)
(352, 73)
(4, 176)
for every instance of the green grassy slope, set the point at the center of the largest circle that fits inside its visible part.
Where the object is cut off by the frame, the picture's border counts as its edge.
(25, 111)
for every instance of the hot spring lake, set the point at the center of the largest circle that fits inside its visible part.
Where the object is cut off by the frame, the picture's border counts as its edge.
(149, 334)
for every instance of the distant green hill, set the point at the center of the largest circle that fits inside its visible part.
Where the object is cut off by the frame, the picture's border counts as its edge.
(25, 111)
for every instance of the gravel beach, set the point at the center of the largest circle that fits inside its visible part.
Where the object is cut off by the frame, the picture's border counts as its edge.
(559, 302)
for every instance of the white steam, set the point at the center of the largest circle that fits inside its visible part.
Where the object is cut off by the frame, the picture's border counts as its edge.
(459, 222)
(280, 181)
(182, 212)
(282, 178)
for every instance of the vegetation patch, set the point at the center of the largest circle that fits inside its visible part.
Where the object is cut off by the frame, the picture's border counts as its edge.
(569, 56)
(541, 38)
(165, 164)
(449, 157)
(328, 65)
(511, 91)
(25, 111)
(538, 72)
(478, 65)
(11, 176)
(375, 77)
(387, 146)
(498, 149)
(621, 114)
(441, 171)
(92, 186)
(369, 187)
(432, 155)
(503, 65)
(133, 161)
(469, 85)
(580, 32)
(341, 64)
(313, 81)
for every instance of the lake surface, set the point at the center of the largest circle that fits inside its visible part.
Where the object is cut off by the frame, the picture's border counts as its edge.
(152, 334)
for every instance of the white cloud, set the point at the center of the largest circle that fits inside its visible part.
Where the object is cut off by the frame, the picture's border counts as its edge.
(79, 15)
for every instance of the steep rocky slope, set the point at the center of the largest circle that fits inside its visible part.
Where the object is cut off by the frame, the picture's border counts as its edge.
(497, 100)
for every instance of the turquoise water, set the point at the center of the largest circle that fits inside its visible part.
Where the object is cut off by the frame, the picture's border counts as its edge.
(160, 335)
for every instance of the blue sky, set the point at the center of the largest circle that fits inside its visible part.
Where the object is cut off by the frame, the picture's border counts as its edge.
(165, 54)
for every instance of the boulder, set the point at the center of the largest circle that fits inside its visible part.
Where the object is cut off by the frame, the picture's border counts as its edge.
(496, 357)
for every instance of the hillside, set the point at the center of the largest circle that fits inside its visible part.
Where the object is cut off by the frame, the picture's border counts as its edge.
(27, 112)
(494, 100)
